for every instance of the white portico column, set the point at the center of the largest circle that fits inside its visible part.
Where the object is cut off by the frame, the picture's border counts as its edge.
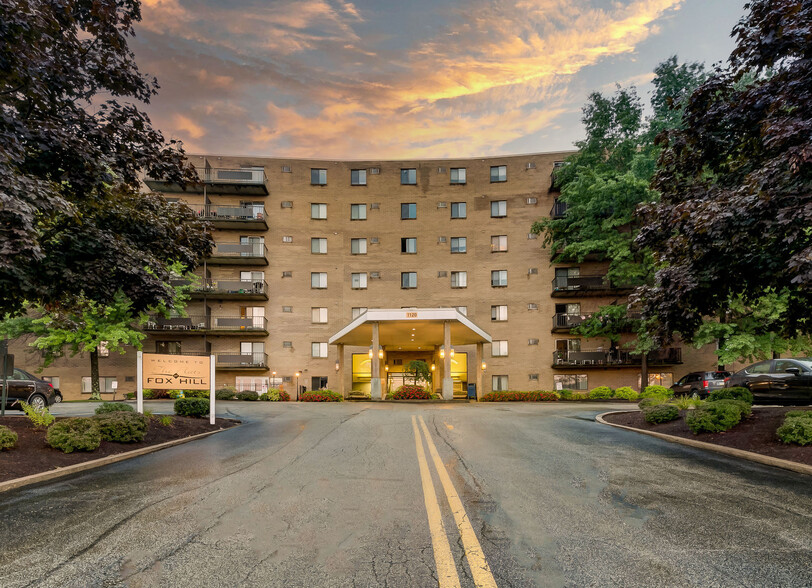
(375, 363)
(342, 388)
(448, 383)
(479, 371)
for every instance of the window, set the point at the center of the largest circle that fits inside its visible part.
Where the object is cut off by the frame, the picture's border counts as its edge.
(462, 310)
(661, 379)
(498, 243)
(168, 347)
(358, 311)
(459, 244)
(570, 382)
(318, 315)
(499, 313)
(408, 211)
(499, 348)
(458, 210)
(408, 176)
(408, 280)
(499, 278)
(318, 211)
(498, 208)
(102, 349)
(257, 384)
(457, 175)
(763, 367)
(358, 246)
(498, 173)
(459, 279)
(318, 245)
(358, 281)
(318, 280)
(499, 383)
(105, 385)
(358, 177)
(408, 245)
(358, 212)
(318, 349)
(318, 177)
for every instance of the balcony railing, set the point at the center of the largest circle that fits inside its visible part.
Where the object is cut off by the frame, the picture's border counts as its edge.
(555, 185)
(573, 285)
(587, 358)
(241, 360)
(236, 287)
(218, 180)
(225, 175)
(563, 321)
(255, 250)
(208, 323)
(559, 209)
(229, 213)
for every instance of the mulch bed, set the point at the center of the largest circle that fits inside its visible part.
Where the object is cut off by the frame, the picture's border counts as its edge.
(33, 455)
(756, 434)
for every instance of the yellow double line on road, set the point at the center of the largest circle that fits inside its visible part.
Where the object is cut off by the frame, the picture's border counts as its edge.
(446, 568)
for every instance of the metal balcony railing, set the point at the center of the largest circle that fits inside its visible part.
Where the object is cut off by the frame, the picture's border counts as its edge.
(240, 250)
(241, 360)
(212, 286)
(207, 323)
(240, 175)
(614, 358)
(230, 213)
(567, 321)
(559, 209)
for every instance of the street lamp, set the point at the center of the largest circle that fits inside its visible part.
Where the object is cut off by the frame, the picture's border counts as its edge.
(297, 385)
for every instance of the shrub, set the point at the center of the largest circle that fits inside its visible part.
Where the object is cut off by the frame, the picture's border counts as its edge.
(661, 413)
(510, 396)
(247, 395)
(626, 393)
(79, 434)
(655, 392)
(685, 402)
(796, 428)
(714, 417)
(565, 393)
(410, 392)
(8, 438)
(648, 402)
(600, 393)
(193, 407)
(155, 394)
(271, 395)
(284, 396)
(166, 420)
(745, 407)
(129, 395)
(106, 407)
(122, 427)
(735, 393)
(196, 393)
(224, 393)
(174, 394)
(321, 396)
(39, 417)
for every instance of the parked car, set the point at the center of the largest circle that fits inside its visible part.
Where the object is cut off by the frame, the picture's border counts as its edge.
(23, 386)
(700, 383)
(776, 380)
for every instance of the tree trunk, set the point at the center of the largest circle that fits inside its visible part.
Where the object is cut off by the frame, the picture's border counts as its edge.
(643, 371)
(95, 389)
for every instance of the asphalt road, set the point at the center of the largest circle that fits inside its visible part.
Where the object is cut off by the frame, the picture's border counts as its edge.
(337, 495)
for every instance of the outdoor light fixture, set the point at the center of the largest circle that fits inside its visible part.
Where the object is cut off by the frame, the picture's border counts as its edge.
(338, 366)
(442, 352)
(432, 367)
(380, 353)
(386, 367)
(484, 365)
(370, 351)
(451, 353)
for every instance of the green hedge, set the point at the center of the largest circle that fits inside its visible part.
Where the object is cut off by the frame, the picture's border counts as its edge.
(661, 413)
(650, 401)
(655, 392)
(8, 438)
(224, 393)
(735, 393)
(192, 407)
(78, 434)
(321, 396)
(626, 393)
(600, 393)
(107, 407)
(510, 396)
(122, 427)
(796, 428)
(247, 395)
(715, 417)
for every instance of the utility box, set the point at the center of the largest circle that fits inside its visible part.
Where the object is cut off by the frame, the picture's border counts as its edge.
(471, 391)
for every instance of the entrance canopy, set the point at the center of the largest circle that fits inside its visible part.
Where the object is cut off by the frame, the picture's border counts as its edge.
(410, 328)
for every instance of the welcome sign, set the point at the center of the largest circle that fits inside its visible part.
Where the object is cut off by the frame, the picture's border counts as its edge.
(176, 372)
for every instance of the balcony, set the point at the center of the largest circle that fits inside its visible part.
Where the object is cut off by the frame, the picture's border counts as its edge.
(559, 209)
(249, 181)
(241, 361)
(239, 254)
(597, 285)
(564, 323)
(231, 289)
(233, 217)
(555, 185)
(617, 358)
(208, 325)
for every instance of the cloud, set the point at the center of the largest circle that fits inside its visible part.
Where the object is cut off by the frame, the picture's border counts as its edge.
(323, 78)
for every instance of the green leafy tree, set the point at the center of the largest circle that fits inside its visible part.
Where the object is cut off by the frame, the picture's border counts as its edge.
(419, 371)
(732, 231)
(74, 226)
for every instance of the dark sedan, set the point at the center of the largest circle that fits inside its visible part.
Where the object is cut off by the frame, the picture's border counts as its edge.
(777, 380)
(23, 386)
(699, 383)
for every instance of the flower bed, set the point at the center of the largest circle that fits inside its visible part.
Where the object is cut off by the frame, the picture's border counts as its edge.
(510, 396)
(321, 396)
(411, 392)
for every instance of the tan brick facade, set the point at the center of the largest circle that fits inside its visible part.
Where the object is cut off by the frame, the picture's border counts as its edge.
(291, 331)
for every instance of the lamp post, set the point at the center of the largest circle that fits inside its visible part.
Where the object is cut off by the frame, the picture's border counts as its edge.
(297, 385)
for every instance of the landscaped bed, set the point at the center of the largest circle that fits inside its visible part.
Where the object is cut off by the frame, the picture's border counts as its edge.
(756, 433)
(33, 455)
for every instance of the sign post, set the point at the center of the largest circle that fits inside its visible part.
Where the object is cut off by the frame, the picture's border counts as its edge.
(139, 393)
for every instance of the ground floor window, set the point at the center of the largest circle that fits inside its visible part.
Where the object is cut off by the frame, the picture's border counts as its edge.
(168, 347)
(658, 379)
(571, 382)
(499, 383)
(258, 384)
(105, 385)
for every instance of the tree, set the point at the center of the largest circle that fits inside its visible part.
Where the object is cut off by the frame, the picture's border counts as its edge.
(74, 226)
(732, 232)
(419, 371)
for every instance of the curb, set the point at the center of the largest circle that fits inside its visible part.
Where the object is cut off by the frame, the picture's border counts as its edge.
(729, 451)
(97, 463)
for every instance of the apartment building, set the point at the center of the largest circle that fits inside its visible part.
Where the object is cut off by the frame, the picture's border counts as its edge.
(336, 274)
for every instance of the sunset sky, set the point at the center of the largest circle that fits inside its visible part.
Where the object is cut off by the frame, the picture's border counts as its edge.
(407, 79)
